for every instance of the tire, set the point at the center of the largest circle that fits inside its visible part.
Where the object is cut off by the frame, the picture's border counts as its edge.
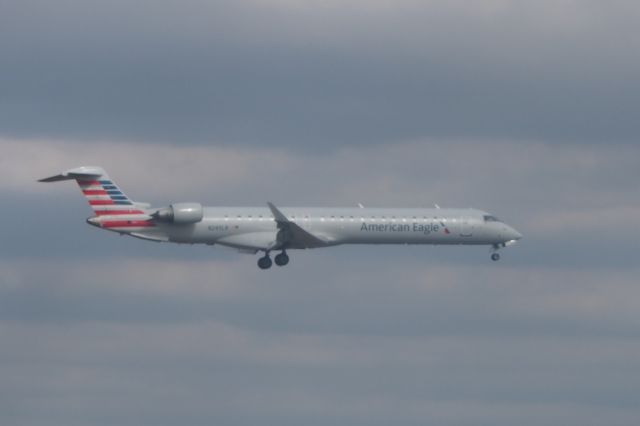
(264, 262)
(281, 259)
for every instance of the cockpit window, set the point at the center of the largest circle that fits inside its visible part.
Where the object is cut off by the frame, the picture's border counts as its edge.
(490, 218)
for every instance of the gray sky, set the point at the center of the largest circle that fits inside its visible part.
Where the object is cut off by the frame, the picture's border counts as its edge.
(525, 109)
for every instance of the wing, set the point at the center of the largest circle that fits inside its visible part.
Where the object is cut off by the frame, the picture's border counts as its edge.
(293, 235)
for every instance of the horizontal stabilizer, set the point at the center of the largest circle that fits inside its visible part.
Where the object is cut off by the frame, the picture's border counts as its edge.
(82, 173)
(55, 178)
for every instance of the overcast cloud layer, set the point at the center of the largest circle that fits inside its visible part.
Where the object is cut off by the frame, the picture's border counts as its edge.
(528, 110)
(295, 74)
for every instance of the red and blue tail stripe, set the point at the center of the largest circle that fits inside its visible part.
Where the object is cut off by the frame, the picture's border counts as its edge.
(106, 198)
(114, 210)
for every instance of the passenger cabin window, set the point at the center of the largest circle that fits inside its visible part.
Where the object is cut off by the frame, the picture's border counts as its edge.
(490, 218)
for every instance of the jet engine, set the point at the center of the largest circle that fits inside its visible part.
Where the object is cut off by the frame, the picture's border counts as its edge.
(180, 213)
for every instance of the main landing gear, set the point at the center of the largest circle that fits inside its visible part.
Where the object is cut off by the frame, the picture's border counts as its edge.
(265, 261)
(281, 259)
(495, 257)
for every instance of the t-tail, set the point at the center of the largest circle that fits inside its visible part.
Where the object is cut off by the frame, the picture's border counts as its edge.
(113, 209)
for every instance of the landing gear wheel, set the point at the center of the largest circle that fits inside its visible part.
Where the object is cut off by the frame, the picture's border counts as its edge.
(265, 262)
(495, 257)
(281, 259)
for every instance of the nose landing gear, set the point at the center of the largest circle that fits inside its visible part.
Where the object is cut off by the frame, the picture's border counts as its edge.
(495, 256)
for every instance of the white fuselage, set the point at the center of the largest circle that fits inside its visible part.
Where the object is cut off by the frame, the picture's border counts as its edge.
(255, 228)
(271, 228)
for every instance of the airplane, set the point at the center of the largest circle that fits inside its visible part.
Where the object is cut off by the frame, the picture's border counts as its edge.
(270, 228)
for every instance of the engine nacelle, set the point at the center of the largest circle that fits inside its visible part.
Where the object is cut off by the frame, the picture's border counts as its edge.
(180, 213)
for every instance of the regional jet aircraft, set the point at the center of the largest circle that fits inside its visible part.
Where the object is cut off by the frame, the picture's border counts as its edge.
(270, 228)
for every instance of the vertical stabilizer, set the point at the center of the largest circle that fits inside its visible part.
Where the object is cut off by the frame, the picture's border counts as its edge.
(102, 193)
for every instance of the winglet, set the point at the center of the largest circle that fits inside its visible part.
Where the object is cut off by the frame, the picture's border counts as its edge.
(277, 214)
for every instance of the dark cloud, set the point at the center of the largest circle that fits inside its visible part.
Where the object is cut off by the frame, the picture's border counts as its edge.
(308, 76)
(362, 344)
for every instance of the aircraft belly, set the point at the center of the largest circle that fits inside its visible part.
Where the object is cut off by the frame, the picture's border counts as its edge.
(217, 232)
(261, 240)
(150, 236)
(188, 234)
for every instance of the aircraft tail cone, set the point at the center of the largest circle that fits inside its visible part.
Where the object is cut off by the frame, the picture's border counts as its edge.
(94, 221)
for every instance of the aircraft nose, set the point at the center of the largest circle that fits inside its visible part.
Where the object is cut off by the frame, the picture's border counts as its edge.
(513, 234)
